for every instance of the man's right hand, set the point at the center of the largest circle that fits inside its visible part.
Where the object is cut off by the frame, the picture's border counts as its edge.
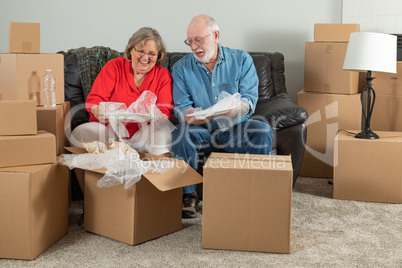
(192, 120)
(99, 114)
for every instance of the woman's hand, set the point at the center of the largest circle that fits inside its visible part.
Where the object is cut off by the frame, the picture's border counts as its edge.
(192, 120)
(99, 113)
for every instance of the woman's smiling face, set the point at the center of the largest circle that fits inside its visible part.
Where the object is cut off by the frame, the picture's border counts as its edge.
(143, 58)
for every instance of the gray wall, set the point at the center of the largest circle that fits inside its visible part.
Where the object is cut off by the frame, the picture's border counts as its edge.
(253, 25)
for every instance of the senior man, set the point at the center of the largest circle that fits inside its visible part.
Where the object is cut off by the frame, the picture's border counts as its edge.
(199, 79)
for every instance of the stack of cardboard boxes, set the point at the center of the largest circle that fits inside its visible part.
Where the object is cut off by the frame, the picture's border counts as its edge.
(387, 113)
(376, 173)
(330, 95)
(33, 187)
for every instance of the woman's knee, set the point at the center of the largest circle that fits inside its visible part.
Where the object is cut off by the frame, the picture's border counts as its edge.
(88, 132)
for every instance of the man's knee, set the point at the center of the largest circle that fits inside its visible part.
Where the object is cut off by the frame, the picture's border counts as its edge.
(259, 134)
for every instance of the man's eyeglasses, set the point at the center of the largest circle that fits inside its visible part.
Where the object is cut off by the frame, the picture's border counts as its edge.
(141, 53)
(198, 40)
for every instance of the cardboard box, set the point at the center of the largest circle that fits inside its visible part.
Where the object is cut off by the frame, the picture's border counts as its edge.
(387, 113)
(28, 149)
(24, 37)
(53, 121)
(247, 202)
(327, 114)
(368, 170)
(33, 209)
(16, 70)
(334, 32)
(149, 209)
(323, 69)
(18, 117)
(386, 83)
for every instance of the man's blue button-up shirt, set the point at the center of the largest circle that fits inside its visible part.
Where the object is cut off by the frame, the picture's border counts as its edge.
(195, 86)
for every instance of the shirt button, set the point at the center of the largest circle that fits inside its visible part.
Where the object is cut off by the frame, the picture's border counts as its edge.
(213, 84)
(216, 98)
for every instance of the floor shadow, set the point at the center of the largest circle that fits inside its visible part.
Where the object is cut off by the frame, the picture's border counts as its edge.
(314, 186)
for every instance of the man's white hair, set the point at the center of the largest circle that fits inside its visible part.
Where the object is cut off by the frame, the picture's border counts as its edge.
(213, 26)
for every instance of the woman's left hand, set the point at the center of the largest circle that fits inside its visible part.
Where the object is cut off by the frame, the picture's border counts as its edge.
(99, 114)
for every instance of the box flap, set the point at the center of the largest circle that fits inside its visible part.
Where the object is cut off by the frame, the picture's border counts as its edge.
(180, 175)
(76, 150)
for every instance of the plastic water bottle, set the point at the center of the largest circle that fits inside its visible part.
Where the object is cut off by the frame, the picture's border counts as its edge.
(49, 90)
(34, 88)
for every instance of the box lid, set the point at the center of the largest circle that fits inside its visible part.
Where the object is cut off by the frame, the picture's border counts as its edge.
(180, 175)
(249, 161)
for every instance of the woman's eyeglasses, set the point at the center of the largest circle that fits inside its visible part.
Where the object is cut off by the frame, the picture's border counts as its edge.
(141, 53)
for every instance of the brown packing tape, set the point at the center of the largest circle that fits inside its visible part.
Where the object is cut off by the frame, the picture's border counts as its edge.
(328, 53)
(27, 46)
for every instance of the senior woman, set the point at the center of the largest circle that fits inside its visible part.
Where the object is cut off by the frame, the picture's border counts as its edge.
(123, 80)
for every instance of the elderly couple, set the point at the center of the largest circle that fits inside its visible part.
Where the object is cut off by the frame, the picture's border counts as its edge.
(197, 80)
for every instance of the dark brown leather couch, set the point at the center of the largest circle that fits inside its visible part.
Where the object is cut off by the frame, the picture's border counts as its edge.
(274, 105)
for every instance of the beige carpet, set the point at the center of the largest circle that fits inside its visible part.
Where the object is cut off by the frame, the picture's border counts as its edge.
(325, 233)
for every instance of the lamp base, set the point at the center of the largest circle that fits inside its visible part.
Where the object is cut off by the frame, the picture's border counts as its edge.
(367, 134)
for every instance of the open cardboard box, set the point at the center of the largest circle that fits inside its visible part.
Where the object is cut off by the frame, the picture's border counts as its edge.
(149, 209)
(247, 202)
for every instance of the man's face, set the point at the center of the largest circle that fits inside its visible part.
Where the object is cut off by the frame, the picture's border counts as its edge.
(202, 42)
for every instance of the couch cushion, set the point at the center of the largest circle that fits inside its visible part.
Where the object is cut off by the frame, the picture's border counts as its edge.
(280, 111)
(175, 57)
(277, 70)
(262, 64)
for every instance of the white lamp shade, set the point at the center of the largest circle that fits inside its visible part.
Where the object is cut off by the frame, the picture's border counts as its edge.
(371, 52)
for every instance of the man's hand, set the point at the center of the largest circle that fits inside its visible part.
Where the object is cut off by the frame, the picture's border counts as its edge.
(99, 114)
(243, 109)
(192, 120)
(232, 113)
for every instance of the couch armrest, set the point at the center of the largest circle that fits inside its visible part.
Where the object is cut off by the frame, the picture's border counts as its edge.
(280, 111)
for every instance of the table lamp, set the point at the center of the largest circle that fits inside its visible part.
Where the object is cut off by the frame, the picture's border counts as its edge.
(369, 52)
